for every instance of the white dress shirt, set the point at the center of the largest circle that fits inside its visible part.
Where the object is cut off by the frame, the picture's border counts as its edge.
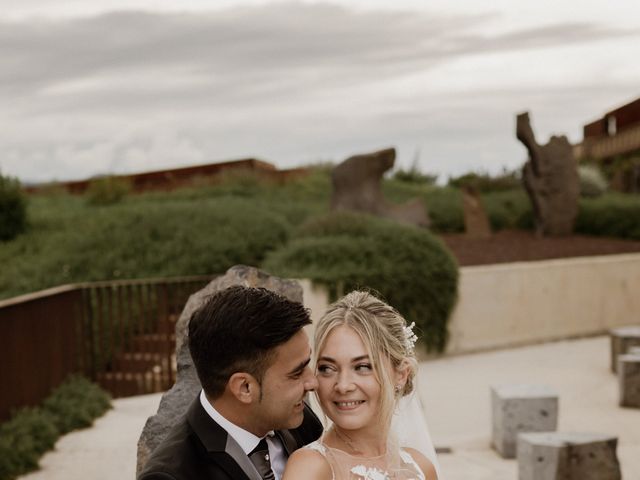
(247, 440)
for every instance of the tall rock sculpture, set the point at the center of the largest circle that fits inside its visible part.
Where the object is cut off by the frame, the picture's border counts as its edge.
(176, 401)
(550, 177)
(357, 185)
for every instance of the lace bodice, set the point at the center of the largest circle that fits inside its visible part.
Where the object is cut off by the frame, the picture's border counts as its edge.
(398, 465)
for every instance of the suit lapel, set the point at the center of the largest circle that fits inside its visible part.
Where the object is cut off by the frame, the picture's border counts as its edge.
(290, 443)
(220, 447)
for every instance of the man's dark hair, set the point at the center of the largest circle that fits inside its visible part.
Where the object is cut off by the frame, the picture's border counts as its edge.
(237, 330)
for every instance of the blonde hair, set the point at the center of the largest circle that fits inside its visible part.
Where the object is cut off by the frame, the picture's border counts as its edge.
(382, 330)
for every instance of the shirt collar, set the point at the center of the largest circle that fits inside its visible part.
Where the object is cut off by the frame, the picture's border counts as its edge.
(247, 440)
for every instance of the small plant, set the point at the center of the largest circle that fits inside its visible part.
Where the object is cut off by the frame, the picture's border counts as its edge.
(413, 175)
(484, 183)
(13, 208)
(107, 190)
(592, 181)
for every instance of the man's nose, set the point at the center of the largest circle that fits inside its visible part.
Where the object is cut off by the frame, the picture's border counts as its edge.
(310, 382)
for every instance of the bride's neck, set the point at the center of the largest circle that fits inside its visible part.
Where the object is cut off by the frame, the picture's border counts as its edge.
(365, 443)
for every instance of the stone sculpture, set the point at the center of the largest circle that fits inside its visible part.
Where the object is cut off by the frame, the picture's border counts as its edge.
(629, 380)
(175, 402)
(357, 185)
(567, 456)
(550, 177)
(476, 223)
(521, 408)
(622, 339)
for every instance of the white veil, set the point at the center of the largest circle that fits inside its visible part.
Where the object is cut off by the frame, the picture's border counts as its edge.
(410, 428)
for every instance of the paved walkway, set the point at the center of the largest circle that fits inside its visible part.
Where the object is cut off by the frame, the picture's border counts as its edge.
(455, 393)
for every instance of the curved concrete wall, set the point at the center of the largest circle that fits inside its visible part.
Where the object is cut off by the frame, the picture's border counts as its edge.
(515, 304)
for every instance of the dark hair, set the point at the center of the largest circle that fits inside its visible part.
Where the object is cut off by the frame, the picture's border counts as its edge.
(237, 330)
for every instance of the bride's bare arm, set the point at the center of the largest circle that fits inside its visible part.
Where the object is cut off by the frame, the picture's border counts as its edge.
(307, 464)
(424, 463)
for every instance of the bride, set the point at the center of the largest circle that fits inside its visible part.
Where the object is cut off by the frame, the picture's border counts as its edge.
(365, 364)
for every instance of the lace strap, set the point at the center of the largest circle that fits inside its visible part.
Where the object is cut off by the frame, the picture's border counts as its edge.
(408, 459)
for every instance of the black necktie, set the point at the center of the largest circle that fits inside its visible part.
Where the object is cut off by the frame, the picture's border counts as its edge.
(259, 456)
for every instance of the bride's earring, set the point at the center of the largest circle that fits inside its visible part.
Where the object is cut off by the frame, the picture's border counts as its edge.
(397, 388)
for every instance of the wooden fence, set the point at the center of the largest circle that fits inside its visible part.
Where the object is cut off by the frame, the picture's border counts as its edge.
(120, 334)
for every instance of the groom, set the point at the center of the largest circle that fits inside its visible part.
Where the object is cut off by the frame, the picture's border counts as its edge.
(252, 359)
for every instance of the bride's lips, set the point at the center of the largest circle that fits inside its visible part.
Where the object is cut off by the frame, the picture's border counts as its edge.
(348, 405)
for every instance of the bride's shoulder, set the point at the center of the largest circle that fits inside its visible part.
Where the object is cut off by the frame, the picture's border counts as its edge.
(423, 462)
(308, 462)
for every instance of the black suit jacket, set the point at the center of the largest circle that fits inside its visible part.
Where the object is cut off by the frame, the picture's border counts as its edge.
(198, 448)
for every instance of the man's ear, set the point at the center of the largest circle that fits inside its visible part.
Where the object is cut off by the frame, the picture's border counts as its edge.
(244, 387)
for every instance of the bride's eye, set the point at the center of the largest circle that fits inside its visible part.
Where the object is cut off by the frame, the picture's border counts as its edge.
(324, 369)
(364, 367)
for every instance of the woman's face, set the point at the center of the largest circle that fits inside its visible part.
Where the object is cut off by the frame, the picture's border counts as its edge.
(348, 390)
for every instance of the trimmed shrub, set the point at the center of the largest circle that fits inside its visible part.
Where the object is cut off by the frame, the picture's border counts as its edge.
(107, 190)
(76, 403)
(509, 209)
(408, 266)
(32, 431)
(611, 215)
(592, 181)
(13, 208)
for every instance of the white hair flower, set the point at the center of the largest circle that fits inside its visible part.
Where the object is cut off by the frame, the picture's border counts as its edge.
(410, 338)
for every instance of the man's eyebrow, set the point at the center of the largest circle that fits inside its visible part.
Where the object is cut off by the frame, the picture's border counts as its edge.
(355, 359)
(300, 367)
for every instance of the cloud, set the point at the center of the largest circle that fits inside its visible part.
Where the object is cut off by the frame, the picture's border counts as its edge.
(129, 90)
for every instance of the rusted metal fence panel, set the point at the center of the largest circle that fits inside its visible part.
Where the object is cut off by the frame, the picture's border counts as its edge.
(40, 341)
(120, 334)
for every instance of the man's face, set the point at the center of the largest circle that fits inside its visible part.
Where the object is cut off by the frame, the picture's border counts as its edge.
(284, 386)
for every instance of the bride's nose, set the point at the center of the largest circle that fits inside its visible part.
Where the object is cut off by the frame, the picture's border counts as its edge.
(344, 383)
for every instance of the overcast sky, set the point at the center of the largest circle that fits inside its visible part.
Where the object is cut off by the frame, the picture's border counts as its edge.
(91, 87)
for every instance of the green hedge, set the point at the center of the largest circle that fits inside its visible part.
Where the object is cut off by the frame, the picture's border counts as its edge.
(32, 431)
(13, 209)
(408, 266)
(74, 242)
(611, 215)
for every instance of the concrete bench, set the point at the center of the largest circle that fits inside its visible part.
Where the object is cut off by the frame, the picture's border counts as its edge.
(521, 408)
(629, 380)
(622, 339)
(565, 456)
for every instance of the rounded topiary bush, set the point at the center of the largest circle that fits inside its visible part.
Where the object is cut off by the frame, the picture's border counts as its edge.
(411, 269)
(13, 208)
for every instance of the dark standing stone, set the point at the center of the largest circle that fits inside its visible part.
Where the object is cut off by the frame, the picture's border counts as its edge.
(175, 402)
(550, 177)
(476, 223)
(357, 185)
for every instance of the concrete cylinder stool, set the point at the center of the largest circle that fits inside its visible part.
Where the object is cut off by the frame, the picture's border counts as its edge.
(621, 340)
(629, 380)
(521, 408)
(567, 456)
